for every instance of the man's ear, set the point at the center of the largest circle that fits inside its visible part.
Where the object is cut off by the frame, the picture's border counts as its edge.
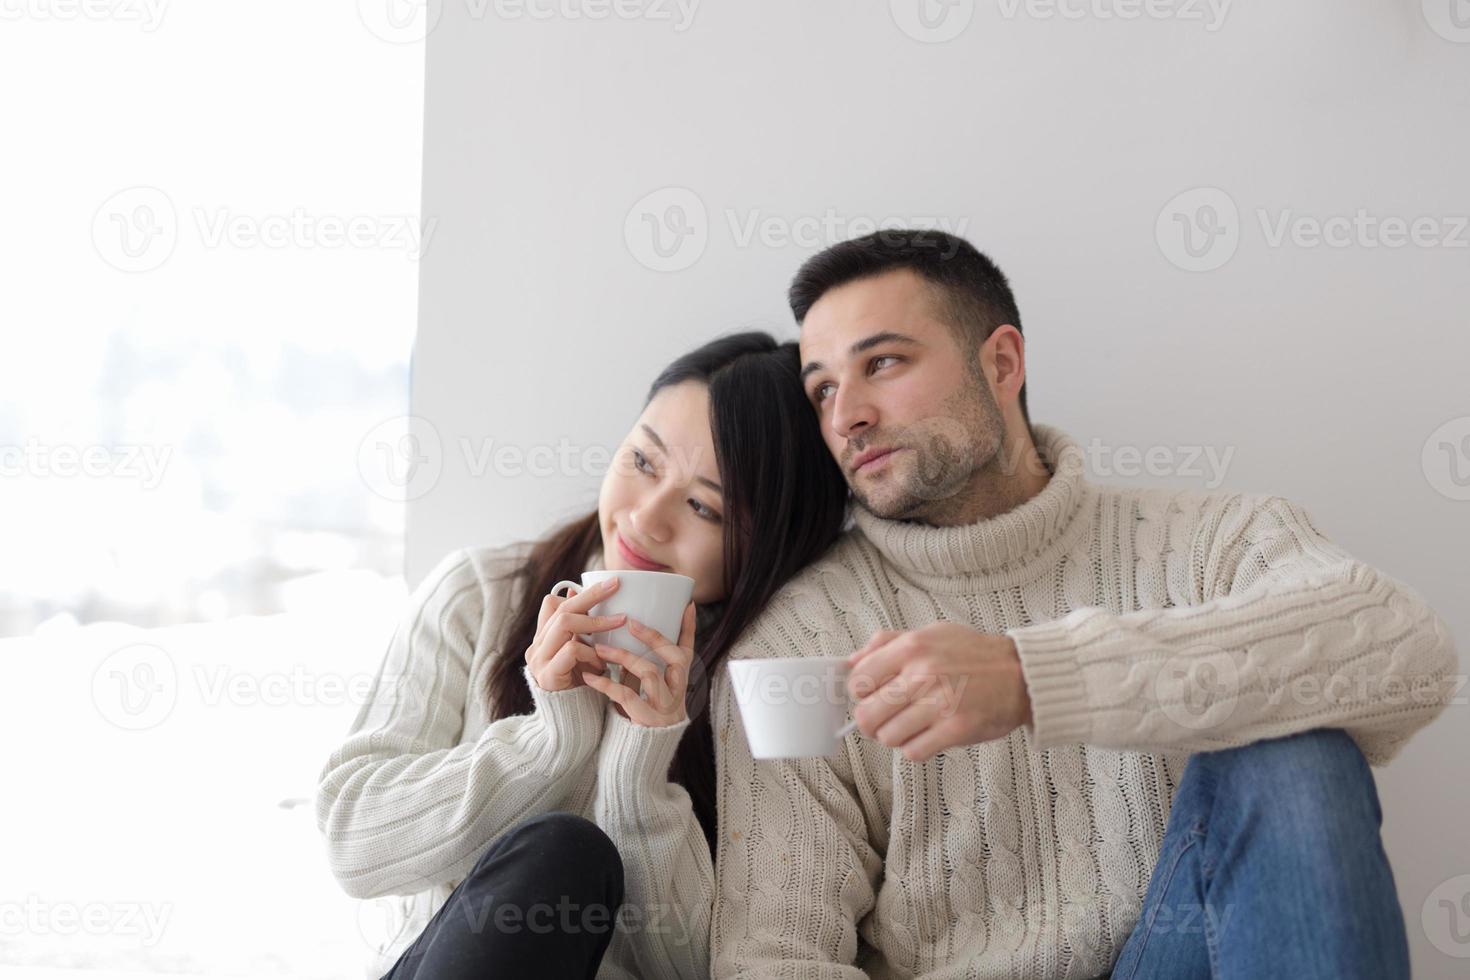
(1004, 360)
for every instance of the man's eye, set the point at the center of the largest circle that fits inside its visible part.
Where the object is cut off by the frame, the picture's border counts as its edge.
(819, 392)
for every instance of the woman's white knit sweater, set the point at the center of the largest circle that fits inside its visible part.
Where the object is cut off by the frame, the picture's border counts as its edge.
(424, 783)
(1150, 624)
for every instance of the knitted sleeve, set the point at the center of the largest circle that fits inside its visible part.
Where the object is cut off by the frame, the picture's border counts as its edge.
(1293, 634)
(668, 875)
(402, 802)
(795, 867)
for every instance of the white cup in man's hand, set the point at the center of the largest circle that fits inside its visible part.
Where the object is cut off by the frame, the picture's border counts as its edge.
(792, 707)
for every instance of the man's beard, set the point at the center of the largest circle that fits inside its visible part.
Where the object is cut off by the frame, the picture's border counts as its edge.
(945, 452)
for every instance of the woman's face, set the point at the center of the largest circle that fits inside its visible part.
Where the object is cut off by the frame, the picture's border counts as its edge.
(661, 498)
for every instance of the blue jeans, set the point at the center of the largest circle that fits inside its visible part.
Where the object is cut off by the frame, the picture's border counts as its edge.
(1272, 866)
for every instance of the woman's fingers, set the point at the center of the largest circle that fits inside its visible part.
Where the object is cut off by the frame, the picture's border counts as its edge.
(654, 710)
(659, 644)
(664, 687)
(686, 628)
(655, 707)
(661, 701)
(580, 624)
(651, 637)
(567, 657)
(535, 652)
(589, 597)
(644, 669)
(616, 692)
(549, 605)
(650, 677)
(561, 620)
(671, 685)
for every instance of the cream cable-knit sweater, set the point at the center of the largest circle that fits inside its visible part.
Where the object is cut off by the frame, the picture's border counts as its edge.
(423, 783)
(1150, 624)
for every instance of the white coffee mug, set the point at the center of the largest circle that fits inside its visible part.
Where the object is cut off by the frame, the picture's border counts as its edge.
(792, 707)
(655, 599)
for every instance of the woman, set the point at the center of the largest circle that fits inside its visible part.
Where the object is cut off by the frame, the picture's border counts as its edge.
(546, 819)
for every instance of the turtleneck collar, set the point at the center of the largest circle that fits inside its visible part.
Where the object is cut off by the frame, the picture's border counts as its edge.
(999, 547)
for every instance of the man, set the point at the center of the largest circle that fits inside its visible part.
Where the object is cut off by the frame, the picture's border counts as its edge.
(1100, 728)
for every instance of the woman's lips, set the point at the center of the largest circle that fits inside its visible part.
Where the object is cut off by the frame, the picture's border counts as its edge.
(634, 558)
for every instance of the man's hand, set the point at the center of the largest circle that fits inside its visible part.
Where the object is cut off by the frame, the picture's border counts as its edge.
(927, 690)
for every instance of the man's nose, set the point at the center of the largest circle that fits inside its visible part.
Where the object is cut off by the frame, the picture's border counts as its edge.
(851, 414)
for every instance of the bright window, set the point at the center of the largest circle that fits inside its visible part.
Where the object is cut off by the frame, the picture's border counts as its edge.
(210, 278)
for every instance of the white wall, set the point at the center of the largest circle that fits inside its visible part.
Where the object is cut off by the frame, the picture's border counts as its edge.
(1056, 145)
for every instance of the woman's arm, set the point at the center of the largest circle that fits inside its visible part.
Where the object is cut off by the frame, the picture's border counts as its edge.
(403, 803)
(668, 874)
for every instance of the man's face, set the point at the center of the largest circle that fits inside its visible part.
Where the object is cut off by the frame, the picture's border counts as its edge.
(885, 373)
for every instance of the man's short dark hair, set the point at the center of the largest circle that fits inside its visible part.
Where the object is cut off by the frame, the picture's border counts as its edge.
(974, 296)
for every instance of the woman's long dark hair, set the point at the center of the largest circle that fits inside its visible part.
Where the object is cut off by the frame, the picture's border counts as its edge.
(778, 477)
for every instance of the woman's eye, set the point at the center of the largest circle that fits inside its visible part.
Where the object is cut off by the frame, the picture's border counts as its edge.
(642, 463)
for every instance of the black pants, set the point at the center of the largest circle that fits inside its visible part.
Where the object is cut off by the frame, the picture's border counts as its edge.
(541, 902)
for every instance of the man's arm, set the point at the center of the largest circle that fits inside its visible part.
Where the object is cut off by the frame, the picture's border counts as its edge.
(794, 866)
(1295, 634)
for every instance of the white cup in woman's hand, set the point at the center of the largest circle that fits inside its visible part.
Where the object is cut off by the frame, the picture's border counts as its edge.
(656, 599)
(559, 656)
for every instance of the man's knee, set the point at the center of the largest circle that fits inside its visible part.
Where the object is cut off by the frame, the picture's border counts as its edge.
(1322, 773)
(1330, 749)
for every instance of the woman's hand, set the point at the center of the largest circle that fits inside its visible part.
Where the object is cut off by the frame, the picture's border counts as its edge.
(558, 658)
(664, 688)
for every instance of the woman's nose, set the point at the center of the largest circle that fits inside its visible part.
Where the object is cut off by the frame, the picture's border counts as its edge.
(648, 520)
